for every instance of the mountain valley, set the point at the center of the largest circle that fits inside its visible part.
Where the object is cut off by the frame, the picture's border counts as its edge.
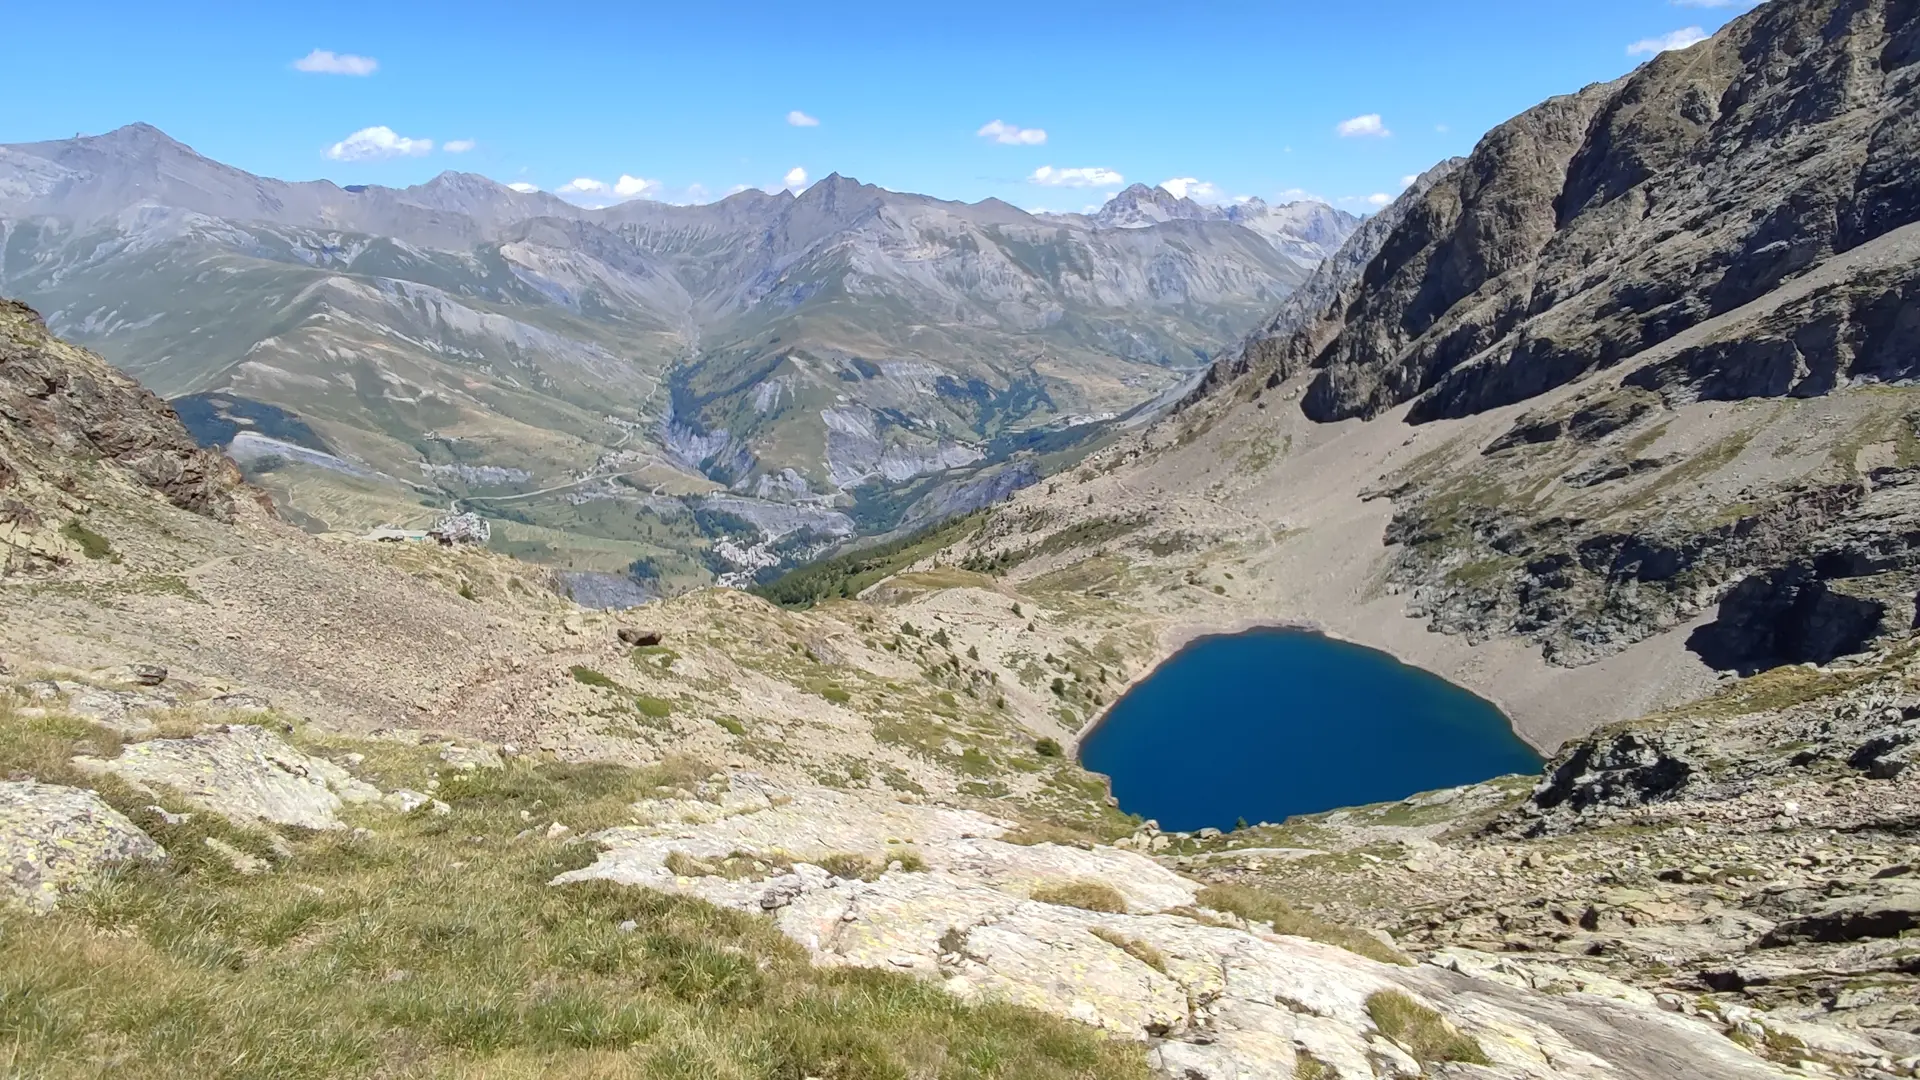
(1610, 422)
(627, 387)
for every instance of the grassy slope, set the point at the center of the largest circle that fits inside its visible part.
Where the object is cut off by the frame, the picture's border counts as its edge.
(432, 946)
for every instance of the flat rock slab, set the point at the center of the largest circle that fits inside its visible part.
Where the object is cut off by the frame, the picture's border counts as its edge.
(120, 710)
(244, 773)
(55, 840)
(1215, 1002)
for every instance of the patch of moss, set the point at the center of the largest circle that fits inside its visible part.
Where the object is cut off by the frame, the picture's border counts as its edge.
(92, 544)
(586, 676)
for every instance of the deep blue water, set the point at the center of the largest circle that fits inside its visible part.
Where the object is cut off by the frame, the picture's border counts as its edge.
(1270, 723)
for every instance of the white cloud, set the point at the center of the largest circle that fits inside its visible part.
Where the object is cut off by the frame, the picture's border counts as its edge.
(800, 119)
(1679, 39)
(634, 187)
(458, 146)
(1294, 195)
(738, 188)
(1008, 135)
(1442, 128)
(1368, 126)
(1186, 187)
(596, 194)
(326, 62)
(373, 143)
(1408, 180)
(795, 179)
(523, 187)
(1049, 176)
(1372, 202)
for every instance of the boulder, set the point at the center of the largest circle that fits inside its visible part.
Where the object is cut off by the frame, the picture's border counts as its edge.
(638, 638)
(54, 840)
(470, 758)
(1887, 752)
(1850, 918)
(244, 773)
(1607, 771)
(117, 709)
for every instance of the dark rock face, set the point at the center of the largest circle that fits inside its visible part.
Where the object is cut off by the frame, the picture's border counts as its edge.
(1850, 919)
(1859, 329)
(1888, 752)
(61, 404)
(1617, 771)
(1597, 225)
(1810, 573)
(1286, 342)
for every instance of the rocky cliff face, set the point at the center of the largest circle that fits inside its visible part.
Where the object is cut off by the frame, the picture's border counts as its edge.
(1644, 320)
(62, 409)
(1591, 228)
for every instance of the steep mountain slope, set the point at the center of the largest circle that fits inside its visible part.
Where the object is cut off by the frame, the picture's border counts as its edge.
(850, 350)
(1619, 402)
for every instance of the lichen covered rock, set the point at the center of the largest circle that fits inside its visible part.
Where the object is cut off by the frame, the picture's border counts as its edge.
(1217, 1000)
(54, 840)
(244, 773)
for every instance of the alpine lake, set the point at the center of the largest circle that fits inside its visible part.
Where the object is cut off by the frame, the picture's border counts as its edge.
(1266, 724)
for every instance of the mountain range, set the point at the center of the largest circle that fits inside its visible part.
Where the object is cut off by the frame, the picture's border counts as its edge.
(627, 386)
(1613, 422)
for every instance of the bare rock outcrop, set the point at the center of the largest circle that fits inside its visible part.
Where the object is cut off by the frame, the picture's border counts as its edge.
(55, 839)
(1596, 225)
(245, 773)
(1217, 999)
(60, 404)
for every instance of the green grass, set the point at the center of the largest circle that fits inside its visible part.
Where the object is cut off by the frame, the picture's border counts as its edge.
(92, 544)
(657, 708)
(1425, 1033)
(1134, 947)
(434, 947)
(1087, 895)
(848, 574)
(658, 656)
(586, 676)
(1257, 906)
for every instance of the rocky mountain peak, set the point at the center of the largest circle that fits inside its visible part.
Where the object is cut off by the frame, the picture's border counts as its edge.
(1600, 224)
(137, 138)
(1139, 205)
(834, 193)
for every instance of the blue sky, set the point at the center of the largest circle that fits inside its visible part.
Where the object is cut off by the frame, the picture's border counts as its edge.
(689, 101)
